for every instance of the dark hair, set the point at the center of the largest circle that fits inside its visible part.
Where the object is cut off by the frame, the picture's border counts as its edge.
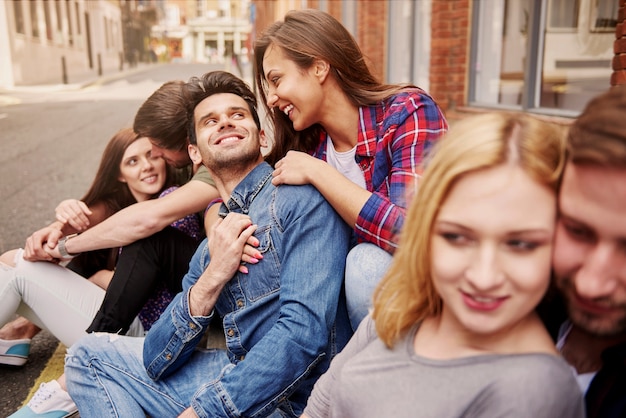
(106, 187)
(598, 135)
(163, 117)
(115, 195)
(215, 82)
(304, 36)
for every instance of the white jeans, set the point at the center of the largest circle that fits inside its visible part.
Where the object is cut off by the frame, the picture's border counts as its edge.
(52, 297)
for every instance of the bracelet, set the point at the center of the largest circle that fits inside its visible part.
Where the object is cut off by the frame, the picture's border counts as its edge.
(63, 250)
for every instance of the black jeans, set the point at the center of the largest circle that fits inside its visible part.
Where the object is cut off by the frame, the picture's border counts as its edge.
(162, 258)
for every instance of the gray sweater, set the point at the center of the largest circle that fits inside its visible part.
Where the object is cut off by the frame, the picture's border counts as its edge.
(369, 380)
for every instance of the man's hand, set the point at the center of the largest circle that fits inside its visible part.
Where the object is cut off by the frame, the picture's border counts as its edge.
(38, 245)
(227, 239)
(250, 253)
(74, 213)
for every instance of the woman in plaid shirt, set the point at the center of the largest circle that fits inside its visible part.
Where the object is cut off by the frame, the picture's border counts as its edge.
(359, 142)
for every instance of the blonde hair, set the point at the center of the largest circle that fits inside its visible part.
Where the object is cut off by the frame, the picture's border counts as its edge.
(406, 295)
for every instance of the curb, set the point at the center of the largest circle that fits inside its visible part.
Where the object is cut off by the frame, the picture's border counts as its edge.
(93, 81)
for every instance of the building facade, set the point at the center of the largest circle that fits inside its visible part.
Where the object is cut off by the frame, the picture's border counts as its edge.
(52, 40)
(204, 30)
(547, 57)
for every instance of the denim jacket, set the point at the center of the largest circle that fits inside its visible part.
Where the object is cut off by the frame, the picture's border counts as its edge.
(283, 321)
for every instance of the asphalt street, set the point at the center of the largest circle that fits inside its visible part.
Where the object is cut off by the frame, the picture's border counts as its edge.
(51, 140)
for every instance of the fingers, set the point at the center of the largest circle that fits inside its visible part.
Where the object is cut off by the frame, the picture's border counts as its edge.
(75, 213)
(276, 176)
(37, 245)
(227, 242)
(34, 251)
(251, 254)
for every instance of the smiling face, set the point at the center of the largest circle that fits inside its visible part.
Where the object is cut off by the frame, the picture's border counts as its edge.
(295, 92)
(144, 173)
(226, 133)
(590, 248)
(491, 245)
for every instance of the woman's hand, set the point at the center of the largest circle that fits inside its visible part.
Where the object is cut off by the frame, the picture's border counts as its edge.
(74, 213)
(295, 168)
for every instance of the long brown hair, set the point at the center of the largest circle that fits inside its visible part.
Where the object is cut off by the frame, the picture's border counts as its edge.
(106, 187)
(108, 190)
(304, 36)
(406, 295)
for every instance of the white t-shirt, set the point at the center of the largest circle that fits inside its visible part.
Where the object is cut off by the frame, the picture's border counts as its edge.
(345, 163)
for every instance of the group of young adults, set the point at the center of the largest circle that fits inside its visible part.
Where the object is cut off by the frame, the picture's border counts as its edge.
(368, 265)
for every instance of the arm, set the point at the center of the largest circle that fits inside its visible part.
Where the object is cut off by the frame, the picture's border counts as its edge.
(200, 292)
(345, 196)
(298, 338)
(37, 245)
(143, 219)
(409, 129)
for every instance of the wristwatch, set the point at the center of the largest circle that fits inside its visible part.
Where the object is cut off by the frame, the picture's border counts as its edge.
(61, 247)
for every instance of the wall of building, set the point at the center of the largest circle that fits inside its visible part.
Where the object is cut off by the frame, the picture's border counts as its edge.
(449, 56)
(619, 61)
(84, 39)
(572, 58)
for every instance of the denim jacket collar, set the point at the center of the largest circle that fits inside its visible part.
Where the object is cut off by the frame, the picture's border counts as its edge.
(248, 188)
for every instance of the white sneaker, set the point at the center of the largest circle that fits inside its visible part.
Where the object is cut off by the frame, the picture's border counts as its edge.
(14, 352)
(50, 401)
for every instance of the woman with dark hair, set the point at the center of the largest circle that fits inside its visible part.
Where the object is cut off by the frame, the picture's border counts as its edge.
(357, 140)
(58, 298)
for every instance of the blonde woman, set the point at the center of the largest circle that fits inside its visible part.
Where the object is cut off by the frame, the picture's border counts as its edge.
(454, 330)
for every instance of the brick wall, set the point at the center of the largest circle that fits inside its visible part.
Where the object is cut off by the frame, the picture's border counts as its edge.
(619, 47)
(449, 56)
(371, 35)
(334, 9)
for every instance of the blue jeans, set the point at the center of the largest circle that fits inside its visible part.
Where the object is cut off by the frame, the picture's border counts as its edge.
(111, 380)
(366, 264)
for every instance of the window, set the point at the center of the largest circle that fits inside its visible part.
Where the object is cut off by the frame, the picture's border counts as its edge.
(409, 57)
(604, 15)
(564, 13)
(34, 19)
(19, 17)
(539, 55)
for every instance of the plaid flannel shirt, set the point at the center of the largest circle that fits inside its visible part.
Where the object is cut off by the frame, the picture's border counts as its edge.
(394, 136)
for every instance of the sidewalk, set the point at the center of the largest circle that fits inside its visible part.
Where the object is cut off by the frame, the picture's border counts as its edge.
(79, 81)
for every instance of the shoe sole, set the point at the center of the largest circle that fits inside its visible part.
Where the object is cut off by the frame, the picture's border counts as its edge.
(13, 360)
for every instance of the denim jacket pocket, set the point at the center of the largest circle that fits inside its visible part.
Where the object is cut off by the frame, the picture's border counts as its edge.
(266, 272)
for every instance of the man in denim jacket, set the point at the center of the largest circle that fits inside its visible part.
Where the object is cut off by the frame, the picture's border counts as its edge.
(282, 313)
